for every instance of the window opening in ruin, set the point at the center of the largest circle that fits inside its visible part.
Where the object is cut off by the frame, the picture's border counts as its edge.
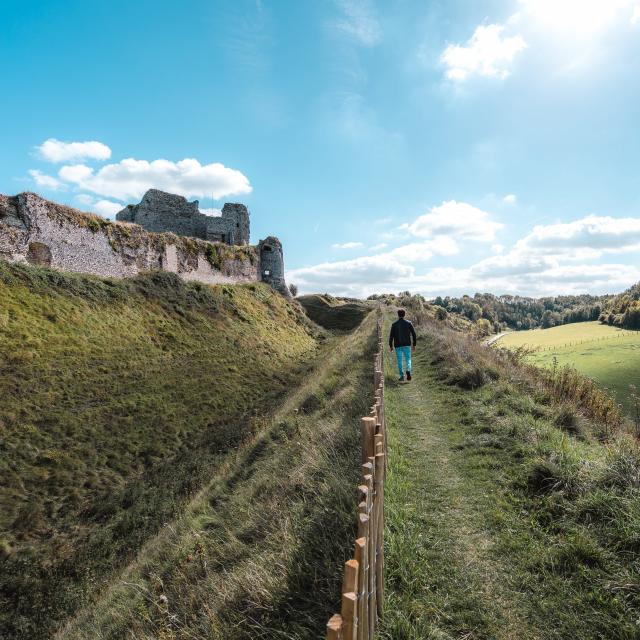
(267, 272)
(267, 248)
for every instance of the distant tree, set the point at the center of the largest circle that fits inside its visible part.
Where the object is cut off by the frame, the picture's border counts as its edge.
(293, 288)
(484, 327)
(631, 319)
(548, 319)
(623, 310)
(441, 313)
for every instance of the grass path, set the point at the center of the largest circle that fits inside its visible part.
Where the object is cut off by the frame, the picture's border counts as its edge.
(437, 522)
(471, 553)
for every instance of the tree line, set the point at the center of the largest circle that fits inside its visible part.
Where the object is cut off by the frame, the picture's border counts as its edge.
(520, 313)
(493, 314)
(623, 310)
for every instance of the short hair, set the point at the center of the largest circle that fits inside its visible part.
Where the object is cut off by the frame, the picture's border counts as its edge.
(401, 313)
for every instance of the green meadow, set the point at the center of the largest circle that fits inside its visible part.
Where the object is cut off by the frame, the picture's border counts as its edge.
(609, 355)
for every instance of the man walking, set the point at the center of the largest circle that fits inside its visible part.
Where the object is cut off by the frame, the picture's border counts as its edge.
(403, 338)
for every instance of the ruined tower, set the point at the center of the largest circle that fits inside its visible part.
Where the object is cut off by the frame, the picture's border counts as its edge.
(232, 225)
(272, 265)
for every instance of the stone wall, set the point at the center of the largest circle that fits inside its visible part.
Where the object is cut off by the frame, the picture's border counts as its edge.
(38, 231)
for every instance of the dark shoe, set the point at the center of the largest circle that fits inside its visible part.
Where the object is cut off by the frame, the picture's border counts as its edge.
(408, 375)
(401, 379)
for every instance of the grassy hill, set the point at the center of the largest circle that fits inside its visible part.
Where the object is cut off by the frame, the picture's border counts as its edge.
(334, 313)
(259, 551)
(608, 355)
(119, 400)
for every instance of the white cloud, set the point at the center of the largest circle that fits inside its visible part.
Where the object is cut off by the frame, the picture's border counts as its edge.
(590, 237)
(378, 247)
(549, 260)
(106, 208)
(359, 21)
(510, 199)
(54, 150)
(130, 178)
(45, 181)
(353, 277)
(348, 245)
(421, 251)
(544, 277)
(489, 53)
(76, 173)
(635, 16)
(454, 221)
(579, 17)
(212, 211)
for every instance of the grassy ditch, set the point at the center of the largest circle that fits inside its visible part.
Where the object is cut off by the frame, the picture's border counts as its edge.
(507, 516)
(119, 398)
(333, 313)
(259, 552)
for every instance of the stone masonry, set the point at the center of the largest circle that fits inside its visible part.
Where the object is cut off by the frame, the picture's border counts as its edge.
(160, 211)
(37, 231)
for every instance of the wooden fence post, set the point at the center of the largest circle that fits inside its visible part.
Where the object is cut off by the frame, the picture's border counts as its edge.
(349, 601)
(367, 430)
(363, 562)
(334, 627)
(372, 547)
(379, 525)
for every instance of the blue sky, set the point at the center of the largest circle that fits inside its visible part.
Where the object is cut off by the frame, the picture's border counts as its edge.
(440, 147)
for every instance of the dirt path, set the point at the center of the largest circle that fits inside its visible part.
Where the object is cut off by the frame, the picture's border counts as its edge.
(444, 580)
(489, 341)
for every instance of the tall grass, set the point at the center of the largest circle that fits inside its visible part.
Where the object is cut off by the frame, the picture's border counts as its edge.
(466, 362)
(259, 552)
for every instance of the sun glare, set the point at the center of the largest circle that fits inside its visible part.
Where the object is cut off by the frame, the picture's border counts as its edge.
(580, 17)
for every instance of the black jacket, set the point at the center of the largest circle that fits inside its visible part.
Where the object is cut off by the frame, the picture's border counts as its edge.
(402, 334)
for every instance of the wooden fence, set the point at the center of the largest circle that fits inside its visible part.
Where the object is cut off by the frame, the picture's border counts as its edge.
(363, 583)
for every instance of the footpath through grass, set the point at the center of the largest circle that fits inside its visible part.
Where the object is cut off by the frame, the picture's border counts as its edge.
(482, 541)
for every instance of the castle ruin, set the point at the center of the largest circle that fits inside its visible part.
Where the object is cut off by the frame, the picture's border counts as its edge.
(164, 231)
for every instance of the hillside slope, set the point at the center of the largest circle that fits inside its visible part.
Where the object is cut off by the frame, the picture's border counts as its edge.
(259, 552)
(624, 309)
(119, 398)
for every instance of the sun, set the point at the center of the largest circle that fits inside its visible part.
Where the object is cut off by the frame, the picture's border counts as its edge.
(578, 17)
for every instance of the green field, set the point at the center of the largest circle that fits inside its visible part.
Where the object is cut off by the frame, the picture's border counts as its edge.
(609, 355)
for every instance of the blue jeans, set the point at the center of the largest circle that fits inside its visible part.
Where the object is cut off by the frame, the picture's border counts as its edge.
(406, 351)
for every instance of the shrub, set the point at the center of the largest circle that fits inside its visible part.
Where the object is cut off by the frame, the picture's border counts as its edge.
(567, 419)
